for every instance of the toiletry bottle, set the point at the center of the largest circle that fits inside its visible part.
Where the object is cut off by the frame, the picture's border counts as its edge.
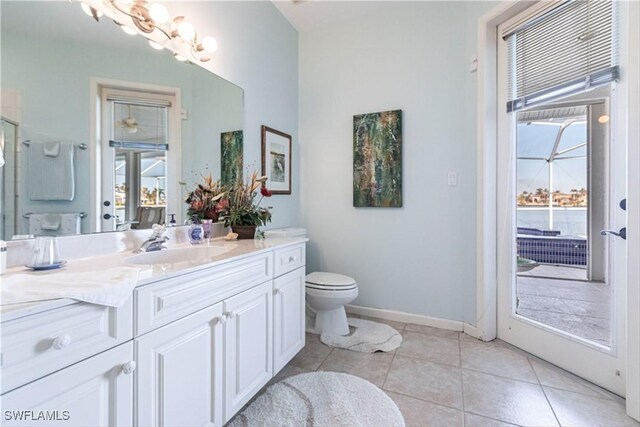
(196, 232)
(172, 220)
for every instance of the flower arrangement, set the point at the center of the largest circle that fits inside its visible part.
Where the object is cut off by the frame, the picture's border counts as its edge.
(242, 210)
(207, 200)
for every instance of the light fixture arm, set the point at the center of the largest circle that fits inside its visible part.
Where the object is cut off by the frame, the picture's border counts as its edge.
(142, 16)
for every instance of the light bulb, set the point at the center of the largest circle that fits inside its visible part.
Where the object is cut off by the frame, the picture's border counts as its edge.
(89, 10)
(159, 13)
(128, 30)
(603, 119)
(155, 45)
(186, 31)
(209, 44)
(179, 57)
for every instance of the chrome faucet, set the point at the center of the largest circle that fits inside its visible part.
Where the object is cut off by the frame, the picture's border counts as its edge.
(155, 242)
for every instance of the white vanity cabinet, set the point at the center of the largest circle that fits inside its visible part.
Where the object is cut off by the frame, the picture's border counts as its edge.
(179, 377)
(95, 392)
(248, 345)
(289, 317)
(187, 349)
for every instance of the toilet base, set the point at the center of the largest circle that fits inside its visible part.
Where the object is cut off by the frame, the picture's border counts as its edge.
(332, 322)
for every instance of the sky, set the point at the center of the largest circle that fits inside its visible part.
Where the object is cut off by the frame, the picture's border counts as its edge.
(536, 140)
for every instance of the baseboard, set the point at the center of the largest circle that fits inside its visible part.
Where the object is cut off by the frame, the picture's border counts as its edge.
(418, 319)
(470, 330)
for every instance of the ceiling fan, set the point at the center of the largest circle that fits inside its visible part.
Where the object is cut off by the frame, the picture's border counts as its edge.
(129, 124)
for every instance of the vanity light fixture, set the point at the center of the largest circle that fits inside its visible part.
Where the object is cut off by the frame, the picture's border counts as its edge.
(151, 16)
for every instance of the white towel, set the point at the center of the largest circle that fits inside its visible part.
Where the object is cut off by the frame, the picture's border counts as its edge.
(111, 287)
(51, 173)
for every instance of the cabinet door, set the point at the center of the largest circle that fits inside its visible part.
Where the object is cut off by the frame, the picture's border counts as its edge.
(248, 345)
(95, 392)
(288, 317)
(179, 376)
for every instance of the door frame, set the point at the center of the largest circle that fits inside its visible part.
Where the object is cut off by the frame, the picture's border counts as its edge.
(487, 201)
(174, 154)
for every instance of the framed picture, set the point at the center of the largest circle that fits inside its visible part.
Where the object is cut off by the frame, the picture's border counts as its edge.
(377, 159)
(276, 160)
(231, 157)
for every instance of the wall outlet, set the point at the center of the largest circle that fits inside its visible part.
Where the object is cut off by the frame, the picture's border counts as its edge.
(452, 178)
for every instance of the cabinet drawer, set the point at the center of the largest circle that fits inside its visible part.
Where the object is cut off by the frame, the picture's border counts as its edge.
(168, 300)
(34, 346)
(288, 259)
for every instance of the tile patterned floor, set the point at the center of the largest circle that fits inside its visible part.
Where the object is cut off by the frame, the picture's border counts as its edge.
(444, 378)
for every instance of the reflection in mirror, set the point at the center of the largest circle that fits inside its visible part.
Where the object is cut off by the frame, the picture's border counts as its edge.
(147, 122)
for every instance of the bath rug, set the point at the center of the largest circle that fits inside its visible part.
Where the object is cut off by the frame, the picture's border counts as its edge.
(321, 399)
(368, 337)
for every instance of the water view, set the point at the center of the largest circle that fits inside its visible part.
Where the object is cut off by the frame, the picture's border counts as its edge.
(569, 221)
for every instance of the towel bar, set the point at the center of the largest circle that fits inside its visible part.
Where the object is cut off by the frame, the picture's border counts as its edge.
(82, 215)
(82, 146)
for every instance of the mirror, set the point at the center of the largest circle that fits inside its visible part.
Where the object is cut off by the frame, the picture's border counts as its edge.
(98, 128)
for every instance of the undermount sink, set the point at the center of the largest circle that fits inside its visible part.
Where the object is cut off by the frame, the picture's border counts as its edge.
(175, 255)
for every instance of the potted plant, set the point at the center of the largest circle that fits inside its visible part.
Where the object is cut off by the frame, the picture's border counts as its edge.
(242, 213)
(207, 200)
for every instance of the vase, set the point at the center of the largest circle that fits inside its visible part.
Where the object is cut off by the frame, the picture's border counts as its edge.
(244, 231)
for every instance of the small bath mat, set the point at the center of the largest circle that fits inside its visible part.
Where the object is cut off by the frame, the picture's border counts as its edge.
(321, 399)
(368, 337)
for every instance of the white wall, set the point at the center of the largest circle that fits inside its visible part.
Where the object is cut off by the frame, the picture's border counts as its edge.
(258, 52)
(412, 56)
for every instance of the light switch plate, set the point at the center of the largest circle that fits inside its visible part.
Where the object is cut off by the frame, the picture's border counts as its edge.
(452, 178)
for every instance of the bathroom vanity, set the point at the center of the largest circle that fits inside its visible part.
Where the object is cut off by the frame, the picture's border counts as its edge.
(196, 341)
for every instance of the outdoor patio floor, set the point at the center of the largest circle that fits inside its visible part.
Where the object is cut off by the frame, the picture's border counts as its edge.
(566, 302)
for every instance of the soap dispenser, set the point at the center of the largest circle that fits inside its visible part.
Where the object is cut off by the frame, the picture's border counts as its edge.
(196, 231)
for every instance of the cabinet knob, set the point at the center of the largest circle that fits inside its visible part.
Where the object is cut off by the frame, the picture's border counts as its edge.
(292, 259)
(222, 319)
(129, 367)
(230, 315)
(61, 342)
(277, 291)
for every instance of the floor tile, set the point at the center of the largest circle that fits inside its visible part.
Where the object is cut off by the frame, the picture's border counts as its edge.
(444, 333)
(286, 372)
(313, 353)
(575, 409)
(370, 366)
(436, 383)
(398, 326)
(417, 412)
(555, 377)
(473, 420)
(507, 400)
(494, 358)
(430, 347)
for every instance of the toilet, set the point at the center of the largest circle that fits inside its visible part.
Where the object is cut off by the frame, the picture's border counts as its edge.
(327, 294)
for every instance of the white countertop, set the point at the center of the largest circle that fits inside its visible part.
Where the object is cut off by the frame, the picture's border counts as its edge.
(222, 251)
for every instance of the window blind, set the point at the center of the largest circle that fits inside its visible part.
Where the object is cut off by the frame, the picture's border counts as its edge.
(560, 51)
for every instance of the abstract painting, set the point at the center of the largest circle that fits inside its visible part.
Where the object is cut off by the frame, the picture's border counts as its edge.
(377, 159)
(231, 157)
(276, 160)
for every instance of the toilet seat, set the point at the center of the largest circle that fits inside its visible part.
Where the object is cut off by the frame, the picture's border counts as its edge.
(330, 282)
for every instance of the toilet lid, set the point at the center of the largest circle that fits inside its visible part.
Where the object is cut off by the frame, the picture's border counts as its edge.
(321, 280)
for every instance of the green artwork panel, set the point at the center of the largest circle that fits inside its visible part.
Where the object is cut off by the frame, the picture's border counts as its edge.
(377, 159)
(231, 157)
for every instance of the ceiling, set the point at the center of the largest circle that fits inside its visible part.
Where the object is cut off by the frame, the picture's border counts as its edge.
(312, 15)
(63, 20)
